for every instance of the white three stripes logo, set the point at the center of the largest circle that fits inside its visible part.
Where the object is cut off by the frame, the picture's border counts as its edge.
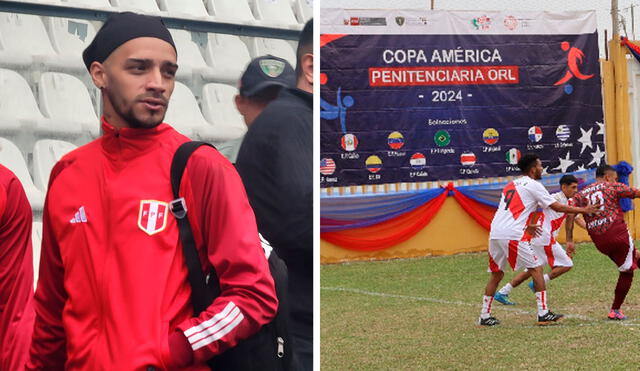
(215, 328)
(80, 216)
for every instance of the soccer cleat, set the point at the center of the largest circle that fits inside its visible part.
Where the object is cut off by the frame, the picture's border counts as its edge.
(489, 321)
(533, 289)
(504, 299)
(616, 315)
(549, 318)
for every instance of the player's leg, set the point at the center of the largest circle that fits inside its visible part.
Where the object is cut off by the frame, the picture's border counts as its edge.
(561, 264)
(626, 251)
(497, 259)
(528, 259)
(502, 295)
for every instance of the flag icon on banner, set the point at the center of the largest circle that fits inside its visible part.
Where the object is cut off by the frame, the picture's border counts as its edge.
(491, 136)
(374, 163)
(349, 142)
(535, 134)
(442, 138)
(468, 159)
(395, 140)
(418, 161)
(327, 166)
(513, 156)
(563, 133)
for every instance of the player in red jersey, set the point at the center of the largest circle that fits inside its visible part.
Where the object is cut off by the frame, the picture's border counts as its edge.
(608, 230)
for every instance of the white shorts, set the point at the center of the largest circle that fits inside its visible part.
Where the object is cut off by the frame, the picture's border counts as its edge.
(519, 255)
(554, 254)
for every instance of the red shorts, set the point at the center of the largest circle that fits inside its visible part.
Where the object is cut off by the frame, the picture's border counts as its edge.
(617, 244)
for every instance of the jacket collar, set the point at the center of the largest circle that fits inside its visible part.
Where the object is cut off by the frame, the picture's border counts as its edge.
(128, 143)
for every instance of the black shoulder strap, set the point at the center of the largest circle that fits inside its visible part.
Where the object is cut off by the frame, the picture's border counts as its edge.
(201, 295)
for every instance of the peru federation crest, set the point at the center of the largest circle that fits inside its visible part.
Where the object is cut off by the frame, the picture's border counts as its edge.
(152, 217)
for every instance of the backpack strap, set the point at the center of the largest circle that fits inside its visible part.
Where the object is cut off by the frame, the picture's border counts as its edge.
(201, 295)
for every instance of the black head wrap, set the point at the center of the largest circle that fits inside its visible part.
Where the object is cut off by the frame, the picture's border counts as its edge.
(120, 28)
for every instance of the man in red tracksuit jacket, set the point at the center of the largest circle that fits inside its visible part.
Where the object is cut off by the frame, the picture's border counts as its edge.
(113, 292)
(16, 273)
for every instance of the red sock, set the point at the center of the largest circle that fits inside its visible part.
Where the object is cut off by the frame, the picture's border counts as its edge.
(622, 288)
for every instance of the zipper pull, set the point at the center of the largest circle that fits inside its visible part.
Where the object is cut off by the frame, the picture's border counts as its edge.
(280, 347)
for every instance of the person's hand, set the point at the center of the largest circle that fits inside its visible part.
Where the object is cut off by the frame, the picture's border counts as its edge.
(571, 249)
(534, 230)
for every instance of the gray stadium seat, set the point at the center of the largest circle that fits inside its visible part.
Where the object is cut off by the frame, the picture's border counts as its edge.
(231, 11)
(191, 8)
(11, 157)
(65, 98)
(99, 4)
(70, 37)
(219, 109)
(303, 10)
(259, 46)
(146, 6)
(276, 13)
(190, 60)
(46, 153)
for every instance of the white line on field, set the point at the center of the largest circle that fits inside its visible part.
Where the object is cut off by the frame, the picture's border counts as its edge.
(450, 302)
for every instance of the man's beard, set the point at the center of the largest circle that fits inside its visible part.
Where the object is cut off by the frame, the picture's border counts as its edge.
(130, 117)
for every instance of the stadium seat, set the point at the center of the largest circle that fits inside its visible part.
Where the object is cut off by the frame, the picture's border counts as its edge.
(100, 4)
(19, 111)
(70, 37)
(146, 6)
(11, 157)
(259, 46)
(36, 243)
(64, 98)
(275, 13)
(190, 61)
(231, 11)
(184, 114)
(219, 109)
(24, 41)
(46, 153)
(191, 8)
(228, 56)
(303, 10)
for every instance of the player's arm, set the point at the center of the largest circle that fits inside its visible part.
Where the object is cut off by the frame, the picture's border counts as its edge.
(219, 210)
(562, 208)
(579, 220)
(48, 345)
(569, 233)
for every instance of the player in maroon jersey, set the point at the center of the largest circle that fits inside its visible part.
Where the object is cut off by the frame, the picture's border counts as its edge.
(608, 230)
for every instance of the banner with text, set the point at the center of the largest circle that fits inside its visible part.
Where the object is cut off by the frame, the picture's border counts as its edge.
(419, 95)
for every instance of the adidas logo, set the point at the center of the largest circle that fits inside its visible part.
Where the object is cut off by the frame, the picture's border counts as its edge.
(80, 216)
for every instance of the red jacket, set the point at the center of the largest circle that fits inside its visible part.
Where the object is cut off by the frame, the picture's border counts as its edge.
(16, 273)
(113, 282)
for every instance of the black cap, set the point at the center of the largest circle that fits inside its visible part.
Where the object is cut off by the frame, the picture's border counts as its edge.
(264, 72)
(120, 28)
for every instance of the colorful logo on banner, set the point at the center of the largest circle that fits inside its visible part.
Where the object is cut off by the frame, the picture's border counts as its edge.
(468, 159)
(442, 138)
(349, 142)
(481, 23)
(490, 136)
(563, 132)
(395, 140)
(513, 156)
(373, 163)
(327, 166)
(418, 161)
(535, 134)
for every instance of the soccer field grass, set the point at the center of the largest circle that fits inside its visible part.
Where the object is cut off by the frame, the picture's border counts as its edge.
(421, 314)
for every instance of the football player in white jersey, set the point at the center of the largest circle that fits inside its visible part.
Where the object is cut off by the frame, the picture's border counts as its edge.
(510, 236)
(545, 245)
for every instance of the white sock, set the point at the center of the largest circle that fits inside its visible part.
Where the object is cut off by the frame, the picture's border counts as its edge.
(546, 278)
(541, 299)
(486, 306)
(506, 290)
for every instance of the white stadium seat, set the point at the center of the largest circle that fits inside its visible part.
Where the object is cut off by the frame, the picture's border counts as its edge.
(231, 11)
(259, 46)
(303, 10)
(36, 242)
(64, 98)
(11, 157)
(228, 56)
(147, 6)
(70, 37)
(218, 108)
(18, 109)
(46, 153)
(275, 13)
(184, 114)
(190, 60)
(104, 4)
(191, 8)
